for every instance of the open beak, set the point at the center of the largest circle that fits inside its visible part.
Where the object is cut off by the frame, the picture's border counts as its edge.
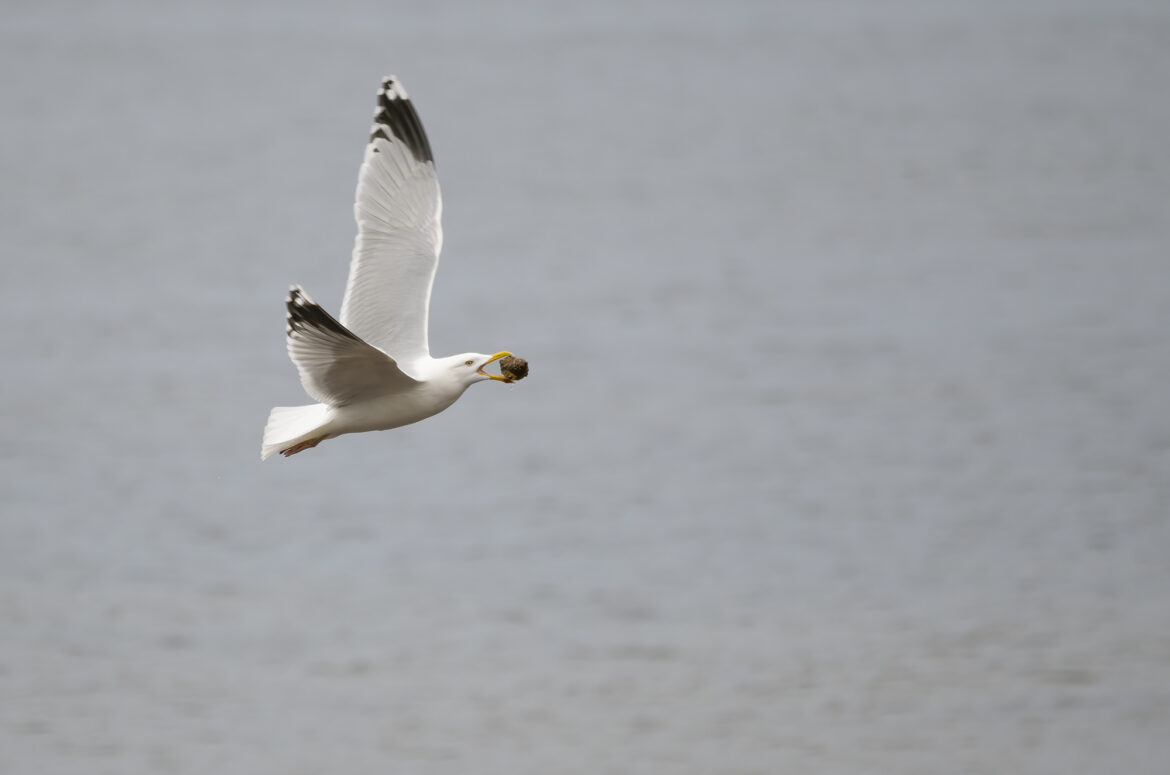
(492, 359)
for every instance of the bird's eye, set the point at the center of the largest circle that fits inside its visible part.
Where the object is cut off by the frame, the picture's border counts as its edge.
(468, 363)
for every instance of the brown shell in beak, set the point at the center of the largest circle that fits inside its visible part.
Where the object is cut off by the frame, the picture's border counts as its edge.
(513, 368)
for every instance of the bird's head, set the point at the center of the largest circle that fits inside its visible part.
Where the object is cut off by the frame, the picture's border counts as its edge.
(469, 367)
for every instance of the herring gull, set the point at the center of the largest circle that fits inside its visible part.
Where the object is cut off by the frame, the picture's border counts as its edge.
(372, 369)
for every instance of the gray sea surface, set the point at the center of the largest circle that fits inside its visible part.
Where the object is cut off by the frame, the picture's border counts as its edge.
(846, 446)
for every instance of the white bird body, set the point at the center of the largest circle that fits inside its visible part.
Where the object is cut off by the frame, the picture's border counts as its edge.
(372, 370)
(380, 413)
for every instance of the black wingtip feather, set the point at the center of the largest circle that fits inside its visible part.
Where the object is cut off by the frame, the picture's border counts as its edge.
(396, 117)
(305, 313)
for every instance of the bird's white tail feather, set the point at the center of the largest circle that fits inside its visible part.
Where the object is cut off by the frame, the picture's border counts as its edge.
(289, 425)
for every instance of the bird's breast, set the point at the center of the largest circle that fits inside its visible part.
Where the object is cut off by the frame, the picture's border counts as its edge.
(396, 409)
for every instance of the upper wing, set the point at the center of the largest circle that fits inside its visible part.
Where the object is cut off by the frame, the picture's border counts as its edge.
(398, 207)
(336, 367)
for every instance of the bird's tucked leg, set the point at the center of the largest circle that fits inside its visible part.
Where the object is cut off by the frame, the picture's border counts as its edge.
(309, 444)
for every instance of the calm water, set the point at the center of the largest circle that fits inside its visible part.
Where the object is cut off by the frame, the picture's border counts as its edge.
(845, 450)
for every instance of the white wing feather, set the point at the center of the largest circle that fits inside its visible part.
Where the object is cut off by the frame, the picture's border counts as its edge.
(398, 209)
(337, 367)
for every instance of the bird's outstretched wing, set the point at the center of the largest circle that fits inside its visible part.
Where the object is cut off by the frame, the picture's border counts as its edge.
(336, 366)
(398, 207)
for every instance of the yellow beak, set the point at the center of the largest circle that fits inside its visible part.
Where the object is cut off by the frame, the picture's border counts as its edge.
(496, 357)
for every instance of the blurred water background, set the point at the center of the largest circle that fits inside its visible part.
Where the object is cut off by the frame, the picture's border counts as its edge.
(846, 446)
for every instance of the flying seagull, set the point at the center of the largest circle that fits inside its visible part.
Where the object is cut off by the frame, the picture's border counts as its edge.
(372, 370)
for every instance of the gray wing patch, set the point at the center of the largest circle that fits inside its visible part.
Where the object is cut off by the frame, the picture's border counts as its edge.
(304, 313)
(395, 117)
(337, 367)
